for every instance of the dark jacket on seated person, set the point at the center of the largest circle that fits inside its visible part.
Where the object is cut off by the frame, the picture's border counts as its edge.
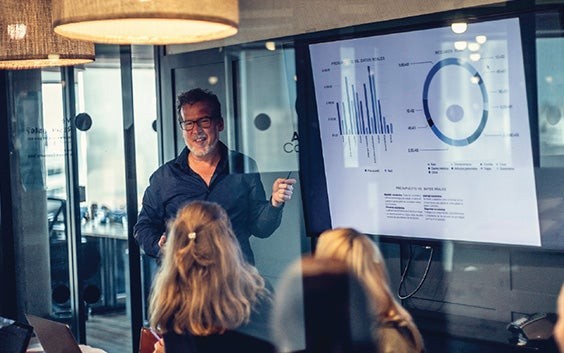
(228, 342)
(252, 337)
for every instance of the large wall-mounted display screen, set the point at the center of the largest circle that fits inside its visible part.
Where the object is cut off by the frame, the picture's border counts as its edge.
(426, 134)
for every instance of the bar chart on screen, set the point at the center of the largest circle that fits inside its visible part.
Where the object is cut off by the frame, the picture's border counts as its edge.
(361, 114)
(360, 119)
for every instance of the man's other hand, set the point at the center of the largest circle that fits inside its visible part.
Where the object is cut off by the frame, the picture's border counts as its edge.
(162, 241)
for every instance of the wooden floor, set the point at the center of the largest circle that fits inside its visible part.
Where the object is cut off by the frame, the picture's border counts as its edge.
(110, 332)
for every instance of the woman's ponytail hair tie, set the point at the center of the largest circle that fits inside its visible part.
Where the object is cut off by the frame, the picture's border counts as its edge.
(192, 235)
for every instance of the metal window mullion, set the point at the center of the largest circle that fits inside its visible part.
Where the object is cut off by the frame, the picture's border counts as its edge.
(134, 258)
(78, 309)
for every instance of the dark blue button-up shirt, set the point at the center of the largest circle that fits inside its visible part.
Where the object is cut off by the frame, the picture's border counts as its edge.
(235, 185)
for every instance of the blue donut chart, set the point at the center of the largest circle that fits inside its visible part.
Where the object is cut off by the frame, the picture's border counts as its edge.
(451, 141)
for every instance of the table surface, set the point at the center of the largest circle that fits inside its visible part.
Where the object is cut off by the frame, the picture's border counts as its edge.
(35, 347)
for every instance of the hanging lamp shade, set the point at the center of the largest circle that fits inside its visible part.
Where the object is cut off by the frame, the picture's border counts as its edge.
(27, 40)
(146, 21)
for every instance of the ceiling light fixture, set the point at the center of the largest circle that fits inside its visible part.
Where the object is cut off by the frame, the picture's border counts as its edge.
(145, 21)
(28, 42)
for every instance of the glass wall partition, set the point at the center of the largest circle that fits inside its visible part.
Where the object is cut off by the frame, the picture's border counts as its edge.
(256, 86)
(265, 127)
(102, 166)
(41, 160)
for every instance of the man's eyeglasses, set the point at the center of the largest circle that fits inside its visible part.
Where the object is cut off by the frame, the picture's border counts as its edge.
(204, 123)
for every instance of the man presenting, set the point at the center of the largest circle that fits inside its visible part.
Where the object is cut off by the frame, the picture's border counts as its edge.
(207, 170)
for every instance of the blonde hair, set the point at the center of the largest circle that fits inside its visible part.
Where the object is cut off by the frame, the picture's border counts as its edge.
(366, 261)
(558, 331)
(204, 285)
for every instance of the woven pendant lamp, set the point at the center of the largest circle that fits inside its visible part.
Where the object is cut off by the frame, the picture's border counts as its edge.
(146, 21)
(27, 40)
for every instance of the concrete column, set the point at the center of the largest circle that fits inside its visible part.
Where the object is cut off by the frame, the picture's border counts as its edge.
(27, 168)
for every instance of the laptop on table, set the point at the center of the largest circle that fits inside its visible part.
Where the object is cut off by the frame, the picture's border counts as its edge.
(54, 336)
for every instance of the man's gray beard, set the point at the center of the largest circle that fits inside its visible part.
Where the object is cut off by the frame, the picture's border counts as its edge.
(209, 150)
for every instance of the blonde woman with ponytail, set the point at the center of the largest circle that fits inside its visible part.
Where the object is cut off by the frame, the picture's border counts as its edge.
(396, 331)
(206, 297)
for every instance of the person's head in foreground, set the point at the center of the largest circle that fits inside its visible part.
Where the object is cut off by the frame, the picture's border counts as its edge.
(559, 327)
(204, 285)
(330, 315)
(364, 258)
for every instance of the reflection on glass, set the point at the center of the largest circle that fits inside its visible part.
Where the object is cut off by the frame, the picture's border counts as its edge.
(550, 79)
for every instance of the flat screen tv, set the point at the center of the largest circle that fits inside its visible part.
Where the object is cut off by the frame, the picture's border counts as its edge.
(427, 134)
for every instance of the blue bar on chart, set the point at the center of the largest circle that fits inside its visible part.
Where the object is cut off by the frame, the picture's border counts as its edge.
(361, 113)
